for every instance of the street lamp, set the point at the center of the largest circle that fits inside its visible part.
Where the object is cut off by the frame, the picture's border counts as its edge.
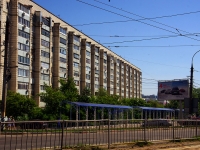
(191, 83)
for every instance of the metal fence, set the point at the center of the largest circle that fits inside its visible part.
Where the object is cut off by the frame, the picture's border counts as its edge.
(69, 133)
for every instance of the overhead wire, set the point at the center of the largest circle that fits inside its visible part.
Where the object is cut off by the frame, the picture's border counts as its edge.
(119, 21)
(117, 46)
(133, 19)
(144, 17)
(148, 39)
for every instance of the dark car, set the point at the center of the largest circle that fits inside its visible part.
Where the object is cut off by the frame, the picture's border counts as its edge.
(34, 124)
(168, 91)
(175, 91)
(163, 91)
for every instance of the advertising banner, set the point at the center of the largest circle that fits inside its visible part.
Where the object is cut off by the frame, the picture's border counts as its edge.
(173, 90)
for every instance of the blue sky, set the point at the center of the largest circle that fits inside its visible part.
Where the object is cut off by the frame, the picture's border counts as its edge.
(158, 58)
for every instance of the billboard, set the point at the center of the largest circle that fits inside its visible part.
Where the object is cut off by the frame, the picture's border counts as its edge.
(173, 90)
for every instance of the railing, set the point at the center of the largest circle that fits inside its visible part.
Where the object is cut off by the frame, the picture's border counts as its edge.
(70, 133)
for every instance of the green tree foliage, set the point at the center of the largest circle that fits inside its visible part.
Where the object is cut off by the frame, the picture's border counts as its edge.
(174, 104)
(52, 98)
(68, 88)
(18, 105)
(154, 103)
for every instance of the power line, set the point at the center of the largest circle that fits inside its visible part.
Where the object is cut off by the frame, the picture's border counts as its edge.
(147, 39)
(120, 21)
(158, 46)
(147, 18)
(133, 19)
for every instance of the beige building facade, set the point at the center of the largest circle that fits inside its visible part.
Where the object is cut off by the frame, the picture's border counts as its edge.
(43, 49)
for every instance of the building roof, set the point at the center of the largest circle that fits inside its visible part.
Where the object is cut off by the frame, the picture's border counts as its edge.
(100, 105)
(153, 108)
(118, 106)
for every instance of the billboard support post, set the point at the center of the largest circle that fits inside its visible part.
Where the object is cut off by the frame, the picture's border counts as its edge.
(191, 84)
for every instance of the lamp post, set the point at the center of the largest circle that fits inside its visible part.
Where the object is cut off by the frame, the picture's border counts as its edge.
(191, 83)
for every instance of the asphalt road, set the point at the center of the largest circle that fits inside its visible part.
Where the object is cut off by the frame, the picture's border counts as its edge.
(40, 140)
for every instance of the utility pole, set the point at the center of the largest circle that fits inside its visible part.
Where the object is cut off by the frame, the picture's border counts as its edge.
(6, 72)
(191, 86)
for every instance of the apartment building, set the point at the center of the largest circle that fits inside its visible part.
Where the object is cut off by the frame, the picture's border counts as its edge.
(44, 48)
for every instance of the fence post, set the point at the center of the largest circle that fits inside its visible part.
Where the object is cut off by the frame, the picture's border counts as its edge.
(61, 146)
(108, 133)
(173, 129)
(196, 128)
(145, 122)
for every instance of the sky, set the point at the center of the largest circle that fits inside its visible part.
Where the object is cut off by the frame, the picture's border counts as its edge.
(158, 36)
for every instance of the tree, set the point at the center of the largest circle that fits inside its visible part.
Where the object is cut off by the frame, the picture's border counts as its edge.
(18, 105)
(52, 99)
(85, 95)
(155, 103)
(68, 88)
(174, 104)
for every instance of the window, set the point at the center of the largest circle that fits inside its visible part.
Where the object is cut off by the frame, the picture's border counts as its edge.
(96, 64)
(96, 86)
(88, 76)
(96, 71)
(96, 78)
(24, 34)
(96, 50)
(96, 57)
(105, 54)
(76, 47)
(23, 8)
(76, 73)
(23, 60)
(63, 51)
(22, 85)
(62, 30)
(105, 80)
(46, 21)
(104, 67)
(23, 72)
(76, 65)
(63, 60)
(44, 43)
(76, 38)
(23, 47)
(44, 65)
(45, 54)
(42, 87)
(111, 71)
(76, 56)
(23, 21)
(87, 44)
(105, 61)
(111, 77)
(63, 41)
(87, 85)
(87, 61)
(62, 70)
(88, 68)
(88, 53)
(76, 82)
(45, 33)
(45, 77)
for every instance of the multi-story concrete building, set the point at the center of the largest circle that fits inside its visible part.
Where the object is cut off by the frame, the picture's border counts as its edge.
(43, 48)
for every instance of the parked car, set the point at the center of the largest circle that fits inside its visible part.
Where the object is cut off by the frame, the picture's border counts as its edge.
(157, 123)
(34, 124)
(168, 91)
(163, 91)
(175, 91)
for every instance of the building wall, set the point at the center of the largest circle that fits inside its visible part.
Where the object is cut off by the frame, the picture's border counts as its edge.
(43, 49)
